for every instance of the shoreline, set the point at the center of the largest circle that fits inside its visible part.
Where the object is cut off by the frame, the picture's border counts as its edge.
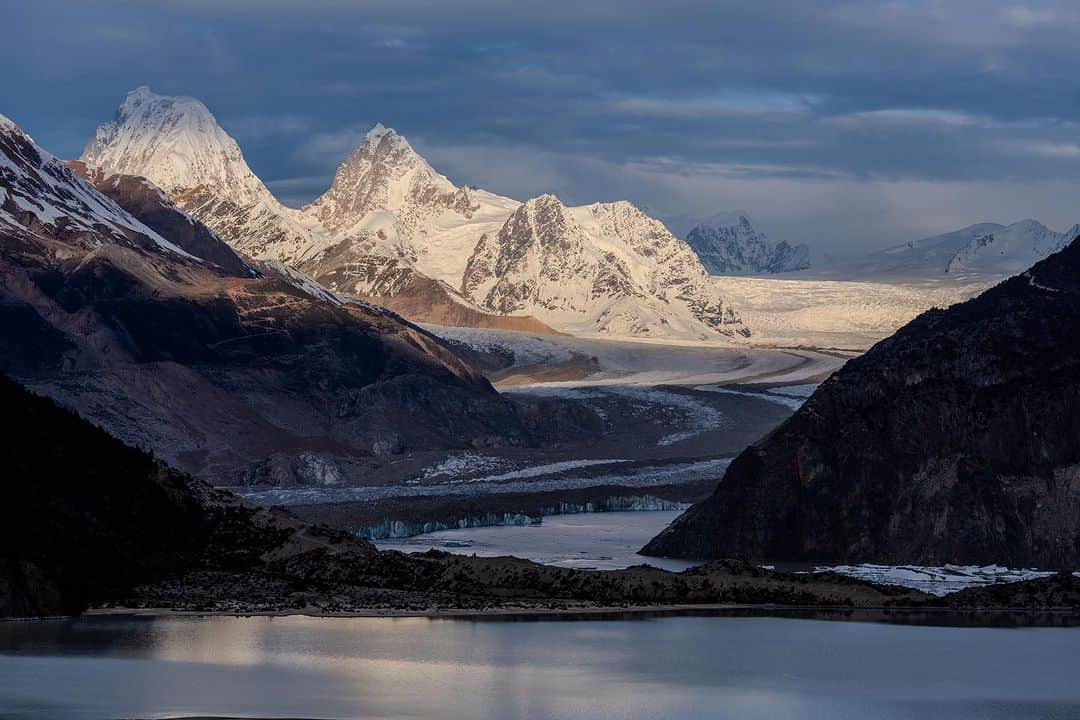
(613, 612)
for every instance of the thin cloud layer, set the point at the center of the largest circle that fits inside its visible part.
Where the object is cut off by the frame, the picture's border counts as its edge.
(851, 125)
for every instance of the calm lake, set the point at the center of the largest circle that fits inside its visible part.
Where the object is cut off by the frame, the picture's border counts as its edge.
(670, 667)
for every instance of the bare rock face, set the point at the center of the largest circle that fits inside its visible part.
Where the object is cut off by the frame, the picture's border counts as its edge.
(955, 440)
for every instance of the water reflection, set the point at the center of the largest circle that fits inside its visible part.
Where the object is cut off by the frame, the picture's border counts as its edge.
(685, 667)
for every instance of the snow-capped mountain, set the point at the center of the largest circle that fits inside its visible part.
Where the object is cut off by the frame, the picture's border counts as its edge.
(394, 230)
(41, 195)
(384, 185)
(605, 267)
(1011, 249)
(176, 143)
(981, 250)
(389, 204)
(728, 244)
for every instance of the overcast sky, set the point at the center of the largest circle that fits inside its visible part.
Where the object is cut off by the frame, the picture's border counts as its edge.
(847, 125)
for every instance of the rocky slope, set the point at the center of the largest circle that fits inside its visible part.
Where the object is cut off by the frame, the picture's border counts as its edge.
(230, 369)
(392, 230)
(729, 244)
(149, 203)
(956, 440)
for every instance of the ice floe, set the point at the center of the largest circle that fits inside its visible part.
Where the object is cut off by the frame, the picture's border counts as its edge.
(937, 580)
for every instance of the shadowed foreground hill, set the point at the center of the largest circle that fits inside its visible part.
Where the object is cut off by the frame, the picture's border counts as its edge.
(955, 440)
(86, 517)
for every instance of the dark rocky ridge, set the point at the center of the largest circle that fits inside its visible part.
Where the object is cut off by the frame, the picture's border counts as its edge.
(955, 440)
(145, 201)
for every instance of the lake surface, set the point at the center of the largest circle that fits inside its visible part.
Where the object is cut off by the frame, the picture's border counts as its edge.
(673, 667)
(604, 541)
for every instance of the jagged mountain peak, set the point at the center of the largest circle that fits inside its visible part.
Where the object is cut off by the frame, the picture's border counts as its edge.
(177, 143)
(605, 267)
(729, 244)
(544, 199)
(543, 218)
(383, 174)
(380, 132)
(545, 202)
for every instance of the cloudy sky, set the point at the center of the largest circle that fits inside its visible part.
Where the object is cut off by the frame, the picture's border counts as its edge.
(847, 125)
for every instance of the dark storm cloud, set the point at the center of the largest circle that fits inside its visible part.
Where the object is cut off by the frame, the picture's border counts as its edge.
(819, 116)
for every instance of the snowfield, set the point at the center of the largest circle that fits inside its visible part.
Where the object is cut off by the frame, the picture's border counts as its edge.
(837, 314)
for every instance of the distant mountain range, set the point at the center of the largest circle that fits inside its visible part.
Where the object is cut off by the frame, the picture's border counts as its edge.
(394, 230)
(983, 250)
(728, 244)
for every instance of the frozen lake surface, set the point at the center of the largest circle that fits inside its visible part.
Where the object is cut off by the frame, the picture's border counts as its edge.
(674, 667)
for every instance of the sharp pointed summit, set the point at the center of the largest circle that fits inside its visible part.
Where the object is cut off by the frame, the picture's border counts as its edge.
(176, 143)
(385, 175)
